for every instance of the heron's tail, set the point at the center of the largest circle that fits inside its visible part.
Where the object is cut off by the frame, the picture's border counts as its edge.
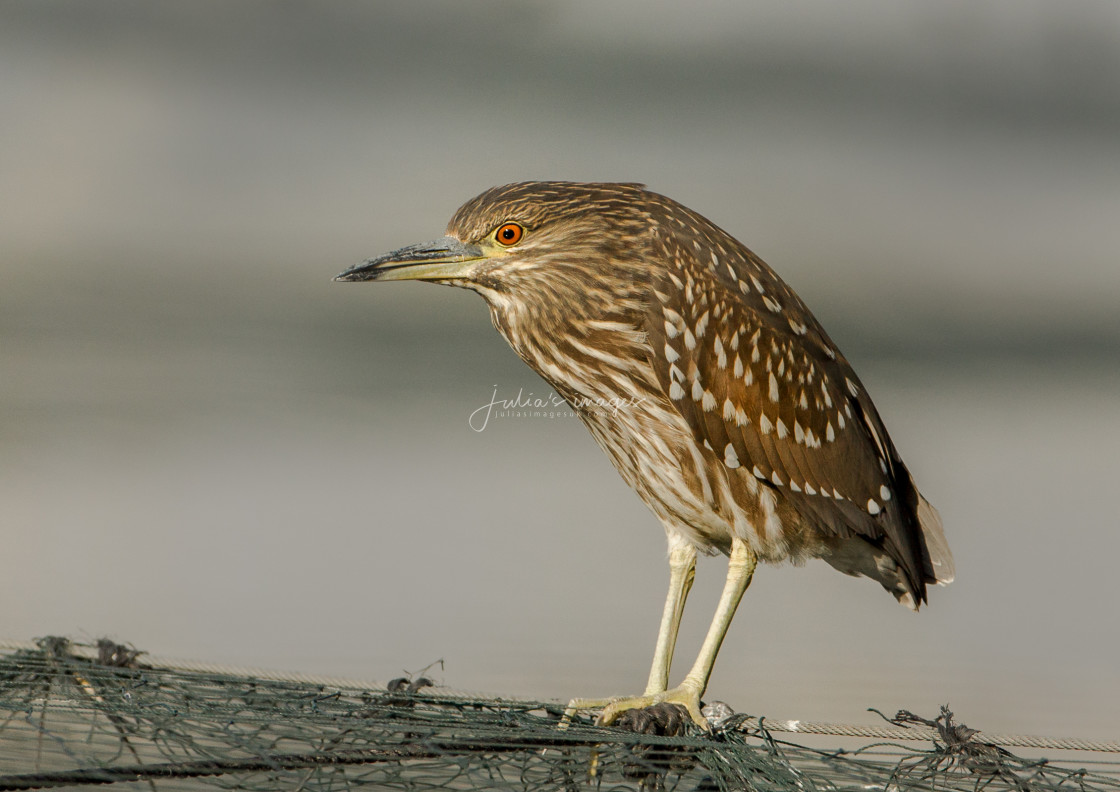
(937, 563)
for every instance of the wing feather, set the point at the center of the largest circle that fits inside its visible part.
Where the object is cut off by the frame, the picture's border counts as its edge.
(758, 380)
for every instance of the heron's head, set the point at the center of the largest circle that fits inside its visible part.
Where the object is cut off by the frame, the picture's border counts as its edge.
(529, 238)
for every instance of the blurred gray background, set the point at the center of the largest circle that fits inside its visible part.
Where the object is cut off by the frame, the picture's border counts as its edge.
(210, 450)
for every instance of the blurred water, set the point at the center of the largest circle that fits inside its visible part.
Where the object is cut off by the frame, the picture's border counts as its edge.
(210, 450)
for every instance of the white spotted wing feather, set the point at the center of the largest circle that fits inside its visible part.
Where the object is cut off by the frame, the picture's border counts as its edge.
(753, 373)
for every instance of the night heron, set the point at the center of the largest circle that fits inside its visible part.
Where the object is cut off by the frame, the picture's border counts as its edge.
(706, 381)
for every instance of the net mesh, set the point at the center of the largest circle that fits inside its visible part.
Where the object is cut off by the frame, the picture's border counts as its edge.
(74, 715)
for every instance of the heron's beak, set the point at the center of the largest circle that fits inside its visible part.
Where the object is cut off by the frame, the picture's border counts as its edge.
(445, 258)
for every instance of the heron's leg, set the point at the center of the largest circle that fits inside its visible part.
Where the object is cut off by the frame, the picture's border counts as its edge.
(682, 571)
(740, 569)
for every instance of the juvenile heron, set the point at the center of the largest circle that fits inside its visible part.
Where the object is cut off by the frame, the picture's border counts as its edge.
(741, 425)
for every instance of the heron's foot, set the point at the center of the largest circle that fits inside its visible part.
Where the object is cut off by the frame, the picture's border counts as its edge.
(686, 697)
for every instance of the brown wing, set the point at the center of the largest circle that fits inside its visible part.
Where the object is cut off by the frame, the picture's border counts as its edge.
(759, 381)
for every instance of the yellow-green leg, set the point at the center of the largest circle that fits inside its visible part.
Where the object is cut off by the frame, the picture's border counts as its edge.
(682, 571)
(740, 569)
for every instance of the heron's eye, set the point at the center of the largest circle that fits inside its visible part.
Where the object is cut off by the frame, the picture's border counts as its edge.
(509, 234)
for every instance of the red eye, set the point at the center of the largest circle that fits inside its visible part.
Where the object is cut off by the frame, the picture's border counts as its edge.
(509, 234)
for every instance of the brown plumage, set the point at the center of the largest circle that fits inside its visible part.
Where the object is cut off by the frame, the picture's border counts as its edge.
(704, 378)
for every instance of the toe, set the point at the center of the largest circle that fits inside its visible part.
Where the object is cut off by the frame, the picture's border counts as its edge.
(615, 709)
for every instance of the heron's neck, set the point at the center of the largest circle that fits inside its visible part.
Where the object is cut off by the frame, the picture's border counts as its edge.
(584, 338)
